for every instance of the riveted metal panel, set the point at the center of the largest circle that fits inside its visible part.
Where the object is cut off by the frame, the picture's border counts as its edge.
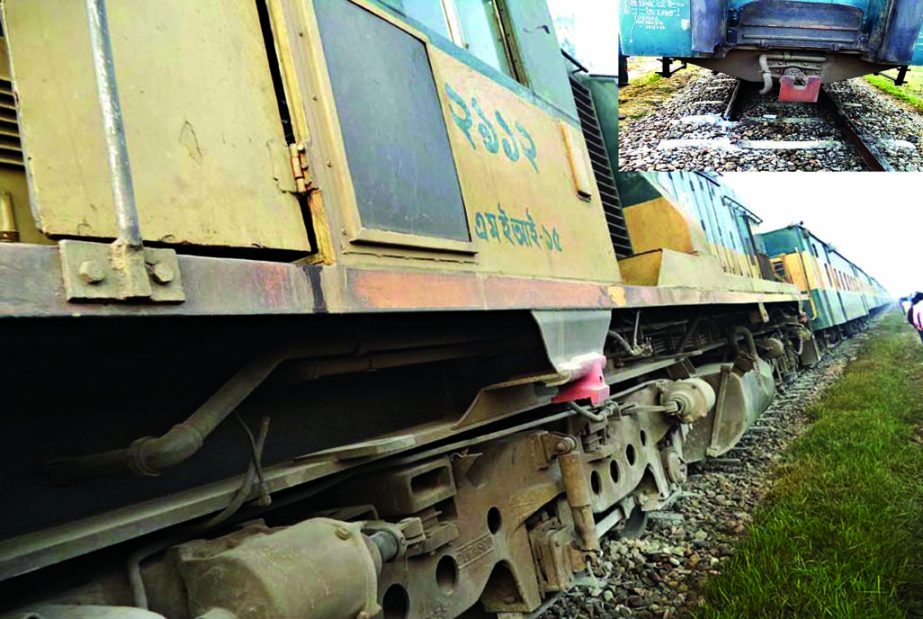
(202, 122)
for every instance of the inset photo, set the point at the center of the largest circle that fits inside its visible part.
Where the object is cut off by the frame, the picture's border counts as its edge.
(771, 85)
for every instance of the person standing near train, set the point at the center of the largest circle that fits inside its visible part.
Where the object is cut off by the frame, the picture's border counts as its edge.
(915, 313)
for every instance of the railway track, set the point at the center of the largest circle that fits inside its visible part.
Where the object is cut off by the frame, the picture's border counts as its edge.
(746, 97)
(718, 123)
(660, 574)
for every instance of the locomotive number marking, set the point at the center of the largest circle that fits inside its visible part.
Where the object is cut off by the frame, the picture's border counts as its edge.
(520, 232)
(513, 147)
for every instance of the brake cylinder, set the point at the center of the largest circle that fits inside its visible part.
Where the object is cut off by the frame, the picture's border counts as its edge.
(319, 568)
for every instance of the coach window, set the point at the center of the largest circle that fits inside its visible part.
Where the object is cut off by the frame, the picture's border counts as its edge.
(473, 25)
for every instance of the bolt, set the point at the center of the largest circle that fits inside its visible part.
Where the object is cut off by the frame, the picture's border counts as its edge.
(343, 533)
(162, 273)
(91, 272)
(562, 447)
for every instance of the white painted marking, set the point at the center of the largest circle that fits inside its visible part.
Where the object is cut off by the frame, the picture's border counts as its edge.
(714, 120)
(897, 144)
(791, 145)
(725, 144)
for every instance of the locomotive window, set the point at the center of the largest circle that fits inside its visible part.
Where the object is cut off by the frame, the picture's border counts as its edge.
(482, 33)
(431, 13)
(399, 157)
(473, 25)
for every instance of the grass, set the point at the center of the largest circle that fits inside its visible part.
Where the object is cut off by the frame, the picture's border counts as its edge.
(647, 89)
(841, 535)
(911, 92)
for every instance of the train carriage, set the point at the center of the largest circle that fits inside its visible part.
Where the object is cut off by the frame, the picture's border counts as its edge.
(728, 224)
(841, 295)
(332, 308)
(798, 44)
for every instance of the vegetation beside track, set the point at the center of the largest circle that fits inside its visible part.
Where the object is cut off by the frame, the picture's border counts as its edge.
(911, 92)
(841, 535)
(647, 89)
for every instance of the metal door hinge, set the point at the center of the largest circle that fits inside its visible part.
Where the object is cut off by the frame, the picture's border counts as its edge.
(116, 272)
(298, 157)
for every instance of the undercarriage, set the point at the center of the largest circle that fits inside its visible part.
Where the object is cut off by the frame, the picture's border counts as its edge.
(415, 466)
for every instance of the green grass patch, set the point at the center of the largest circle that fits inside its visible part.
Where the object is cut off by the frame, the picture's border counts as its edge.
(841, 535)
(648, 89)
(911, 92)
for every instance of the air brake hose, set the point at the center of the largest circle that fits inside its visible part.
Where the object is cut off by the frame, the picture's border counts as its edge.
(150, 456)
(767, 74)
(630, 349)
(251, 476)
(751, 343)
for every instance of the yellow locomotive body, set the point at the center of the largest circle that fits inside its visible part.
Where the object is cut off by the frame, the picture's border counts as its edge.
(388, 235)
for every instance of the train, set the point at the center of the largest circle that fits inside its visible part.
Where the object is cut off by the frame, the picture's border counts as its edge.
(798, 45)
(841, 296)
(337, 308)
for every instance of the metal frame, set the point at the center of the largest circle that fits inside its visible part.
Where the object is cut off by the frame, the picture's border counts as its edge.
(666, 62)
(901, 78)
(33, 287)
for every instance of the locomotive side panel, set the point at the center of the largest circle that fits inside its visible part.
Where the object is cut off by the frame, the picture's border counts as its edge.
(529, 196)
(205, 167)
(458, 166)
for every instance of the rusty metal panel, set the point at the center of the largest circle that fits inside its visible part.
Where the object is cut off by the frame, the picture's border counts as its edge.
(204, 133)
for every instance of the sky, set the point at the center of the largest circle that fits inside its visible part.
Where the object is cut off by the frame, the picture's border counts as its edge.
(595, 28)
(875, 220)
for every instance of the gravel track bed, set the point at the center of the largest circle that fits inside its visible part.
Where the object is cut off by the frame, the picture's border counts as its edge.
(661, 575)
(689, 133)
(897, 130)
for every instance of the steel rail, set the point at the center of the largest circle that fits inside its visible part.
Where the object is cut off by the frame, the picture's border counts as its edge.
(736, 105)
(874, 159)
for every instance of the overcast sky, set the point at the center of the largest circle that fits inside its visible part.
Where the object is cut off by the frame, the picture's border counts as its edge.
(595, 32)
(875, 220)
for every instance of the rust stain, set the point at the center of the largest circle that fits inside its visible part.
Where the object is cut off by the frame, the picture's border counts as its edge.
(405, 290)
(509, 293)
(397, 290)
(275, 283)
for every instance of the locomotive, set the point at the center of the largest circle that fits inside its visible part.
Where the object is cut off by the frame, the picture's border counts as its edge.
(336, 308)
(797, 44)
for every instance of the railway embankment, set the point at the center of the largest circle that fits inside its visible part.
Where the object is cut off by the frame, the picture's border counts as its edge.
(817, 513)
